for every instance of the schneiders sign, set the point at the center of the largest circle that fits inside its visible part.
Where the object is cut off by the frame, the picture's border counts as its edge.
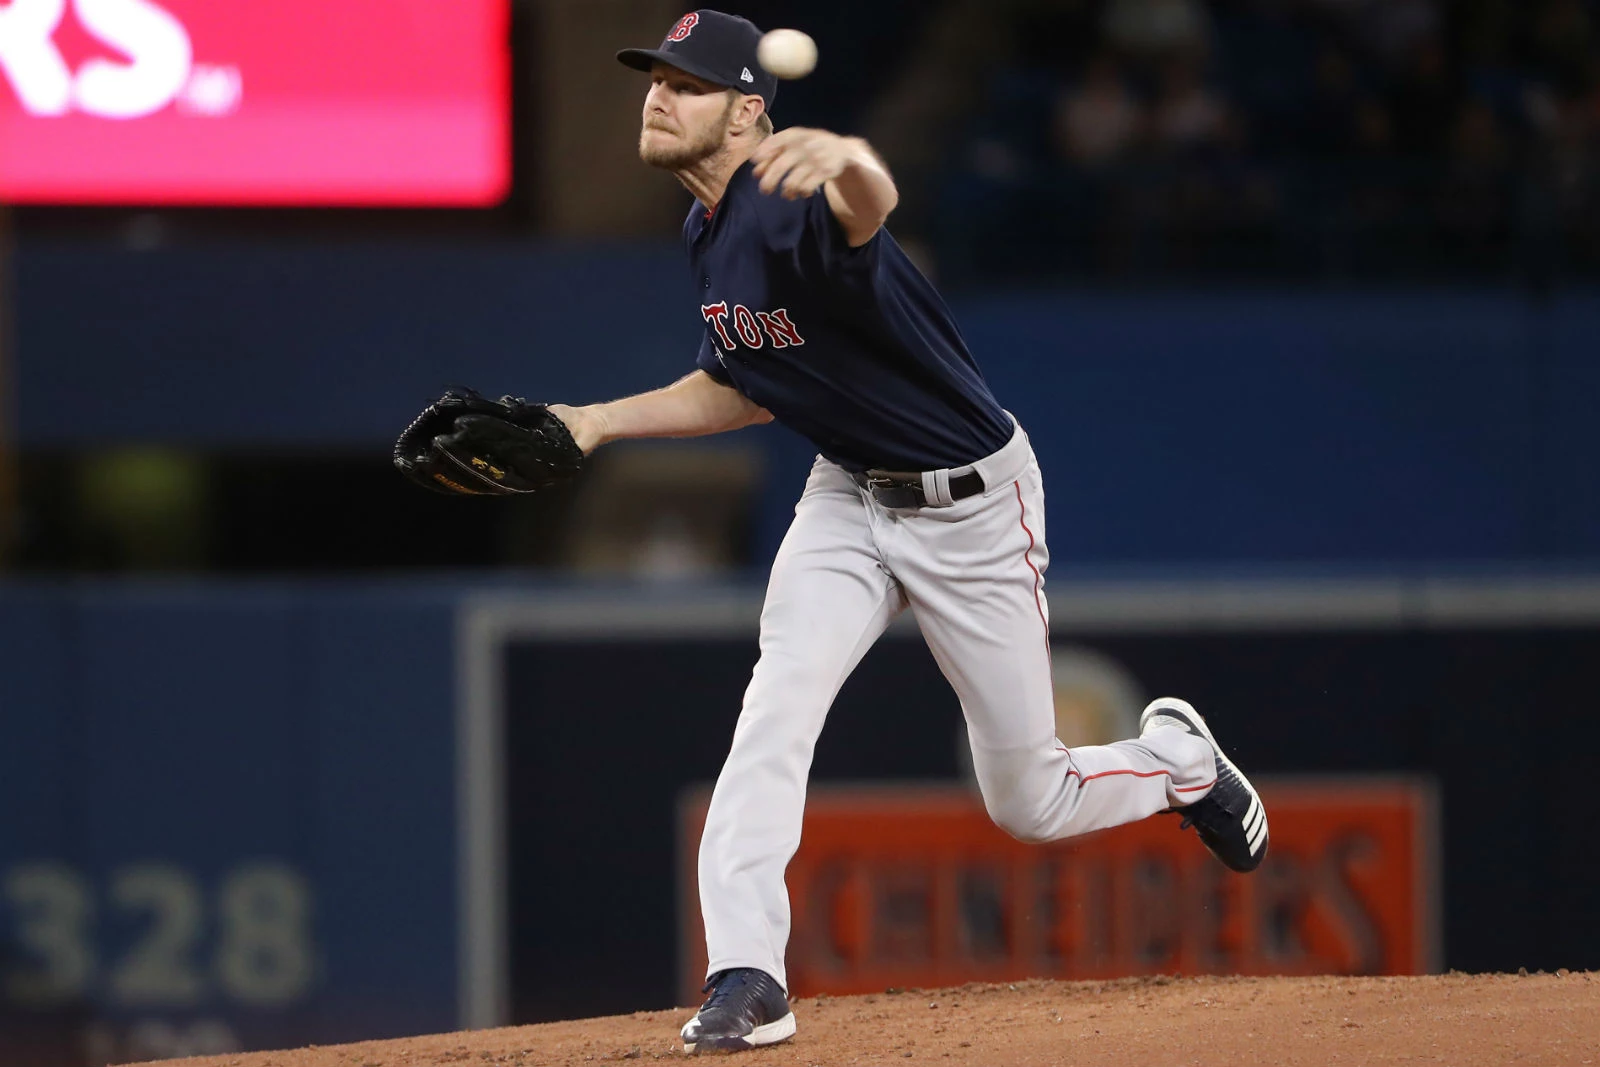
(295, 102)
(914, 887)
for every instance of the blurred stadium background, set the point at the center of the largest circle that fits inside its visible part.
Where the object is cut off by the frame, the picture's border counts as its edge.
(1299, 300)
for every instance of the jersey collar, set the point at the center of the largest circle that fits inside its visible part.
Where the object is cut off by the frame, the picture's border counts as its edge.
(741, 177)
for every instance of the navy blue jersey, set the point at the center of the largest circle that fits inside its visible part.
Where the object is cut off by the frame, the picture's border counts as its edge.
(851, 347)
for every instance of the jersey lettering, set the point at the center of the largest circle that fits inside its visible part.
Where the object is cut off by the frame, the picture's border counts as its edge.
(777, 324)
(745, 323)
(780, 329)
(715, 314)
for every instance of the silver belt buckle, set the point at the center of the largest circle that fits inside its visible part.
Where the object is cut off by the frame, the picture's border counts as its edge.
(892, 492)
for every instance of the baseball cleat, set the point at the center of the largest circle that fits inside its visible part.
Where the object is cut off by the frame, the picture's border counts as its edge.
(1230, 819)
(747, 1008)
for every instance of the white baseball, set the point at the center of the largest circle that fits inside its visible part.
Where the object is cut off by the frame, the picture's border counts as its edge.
(787, 54)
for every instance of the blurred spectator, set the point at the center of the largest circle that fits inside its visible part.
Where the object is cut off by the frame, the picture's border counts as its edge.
(1266, 55)
(1573, 149)
(1372, 131)
(1425, 99)
(1057, 36)
(1215, 205)
(1343, 12)
(1333, 114)
(1157, 28)
(1409, 136)
(1369, 199)
(1392, 30)
(1562, 44)
(1188, 115)
(1472, 205)
(1477, 142)
(1488, 30)
(937, 96)
(1100, 122)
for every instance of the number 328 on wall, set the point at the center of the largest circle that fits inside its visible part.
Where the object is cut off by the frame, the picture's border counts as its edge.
(251, 943)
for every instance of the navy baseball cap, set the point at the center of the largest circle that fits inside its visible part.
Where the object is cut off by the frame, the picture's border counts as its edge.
(717, 47)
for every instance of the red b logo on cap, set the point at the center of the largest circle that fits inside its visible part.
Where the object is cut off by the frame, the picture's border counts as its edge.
(684, 27)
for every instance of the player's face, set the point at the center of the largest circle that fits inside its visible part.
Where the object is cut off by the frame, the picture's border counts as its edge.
(685, 119)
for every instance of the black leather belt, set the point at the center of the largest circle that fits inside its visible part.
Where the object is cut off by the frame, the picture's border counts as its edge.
(895, 490)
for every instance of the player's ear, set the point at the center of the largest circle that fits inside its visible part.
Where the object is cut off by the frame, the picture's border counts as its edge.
(748, 113)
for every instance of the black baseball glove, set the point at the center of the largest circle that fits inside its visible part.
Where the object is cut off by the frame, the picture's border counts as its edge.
(466, 444)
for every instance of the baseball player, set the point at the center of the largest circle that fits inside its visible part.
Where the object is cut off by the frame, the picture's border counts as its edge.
(925, 495)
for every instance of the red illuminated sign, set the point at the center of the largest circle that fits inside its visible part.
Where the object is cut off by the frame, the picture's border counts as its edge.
(915, 887)
(292, 102)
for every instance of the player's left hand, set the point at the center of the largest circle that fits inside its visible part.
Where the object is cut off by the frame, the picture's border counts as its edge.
(466, 444)
(799, 161)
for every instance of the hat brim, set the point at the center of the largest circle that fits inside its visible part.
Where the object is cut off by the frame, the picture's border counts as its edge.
(646, 58)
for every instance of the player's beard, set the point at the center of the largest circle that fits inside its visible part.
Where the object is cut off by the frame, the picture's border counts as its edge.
(682, 155)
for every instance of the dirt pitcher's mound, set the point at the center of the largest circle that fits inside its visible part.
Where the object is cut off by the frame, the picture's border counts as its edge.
(1457, 1019)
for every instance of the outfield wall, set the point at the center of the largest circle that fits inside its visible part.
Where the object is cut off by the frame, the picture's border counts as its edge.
(1375, 427)
(264, 815)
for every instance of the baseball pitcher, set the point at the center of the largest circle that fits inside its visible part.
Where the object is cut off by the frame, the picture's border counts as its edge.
(925, 495)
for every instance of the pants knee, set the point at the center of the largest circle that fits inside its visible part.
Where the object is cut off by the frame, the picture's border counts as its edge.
(1014, 814)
